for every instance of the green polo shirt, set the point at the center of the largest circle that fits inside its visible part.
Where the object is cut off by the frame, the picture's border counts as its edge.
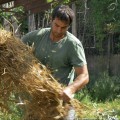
(60, 57)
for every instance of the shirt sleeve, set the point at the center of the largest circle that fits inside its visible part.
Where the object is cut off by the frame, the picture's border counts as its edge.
(30, 38)
(33, 37)
(77, 55)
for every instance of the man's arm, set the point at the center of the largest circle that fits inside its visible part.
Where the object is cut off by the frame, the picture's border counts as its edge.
(81, 80)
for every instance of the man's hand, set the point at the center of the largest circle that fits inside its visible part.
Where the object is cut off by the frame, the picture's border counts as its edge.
(67, 94)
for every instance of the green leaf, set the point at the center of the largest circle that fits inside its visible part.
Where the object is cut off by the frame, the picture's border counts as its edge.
(49, 1)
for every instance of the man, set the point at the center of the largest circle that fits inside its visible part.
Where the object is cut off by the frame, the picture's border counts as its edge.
(61, 52)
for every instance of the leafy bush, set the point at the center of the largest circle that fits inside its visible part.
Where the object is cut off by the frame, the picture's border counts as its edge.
(104, 87)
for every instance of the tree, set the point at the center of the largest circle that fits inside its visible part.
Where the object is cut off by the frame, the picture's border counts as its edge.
(106, 18)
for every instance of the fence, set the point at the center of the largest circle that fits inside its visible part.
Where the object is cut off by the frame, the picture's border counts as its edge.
(99, 64)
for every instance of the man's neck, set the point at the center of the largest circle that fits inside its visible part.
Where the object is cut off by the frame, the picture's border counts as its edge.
(55, 39)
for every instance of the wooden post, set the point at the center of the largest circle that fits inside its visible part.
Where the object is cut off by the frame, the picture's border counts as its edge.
(74, 31)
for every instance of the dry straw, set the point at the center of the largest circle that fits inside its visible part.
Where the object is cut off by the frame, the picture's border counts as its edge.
(22, 75)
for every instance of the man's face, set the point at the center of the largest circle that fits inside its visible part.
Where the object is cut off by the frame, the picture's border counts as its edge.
(59, 28)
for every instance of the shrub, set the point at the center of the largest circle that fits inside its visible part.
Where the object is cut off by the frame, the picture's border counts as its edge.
(104, 87)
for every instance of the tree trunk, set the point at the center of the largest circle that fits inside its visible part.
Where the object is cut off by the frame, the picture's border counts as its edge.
(31, 22)
(74, 31)
(109, 55)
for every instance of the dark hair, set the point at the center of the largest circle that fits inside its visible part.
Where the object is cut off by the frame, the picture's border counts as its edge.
(63, 12)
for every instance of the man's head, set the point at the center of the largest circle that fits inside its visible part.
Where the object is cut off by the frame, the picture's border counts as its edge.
(64, 13)
(62, 17)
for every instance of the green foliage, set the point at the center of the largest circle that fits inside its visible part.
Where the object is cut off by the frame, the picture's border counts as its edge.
(101, 98)
(12, 111)
(105, 13)
(64, 1)
(105, 16)
(14, 15)
(108, 110)
(12, 114)
(49, 1)
(14, 12)
(105, 87)
(101, 88)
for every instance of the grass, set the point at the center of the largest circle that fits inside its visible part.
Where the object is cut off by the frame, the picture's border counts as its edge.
(102, 111)
(102, 97)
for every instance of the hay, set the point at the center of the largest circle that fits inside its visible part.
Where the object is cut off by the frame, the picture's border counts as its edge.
(23, 75)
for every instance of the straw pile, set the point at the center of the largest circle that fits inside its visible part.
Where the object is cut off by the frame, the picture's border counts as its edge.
(23, 75)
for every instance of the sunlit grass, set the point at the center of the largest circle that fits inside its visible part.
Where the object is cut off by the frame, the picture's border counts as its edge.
(100, 110)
